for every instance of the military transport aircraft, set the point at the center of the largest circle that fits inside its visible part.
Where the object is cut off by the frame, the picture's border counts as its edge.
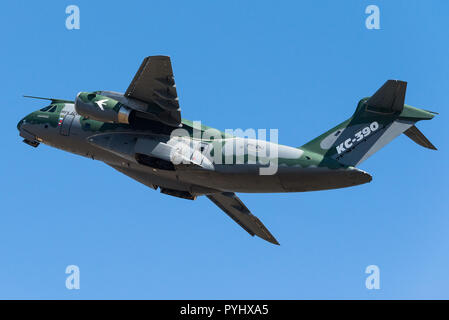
(134, 134)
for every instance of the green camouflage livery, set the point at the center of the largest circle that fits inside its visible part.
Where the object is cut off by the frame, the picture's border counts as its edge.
(141, 134)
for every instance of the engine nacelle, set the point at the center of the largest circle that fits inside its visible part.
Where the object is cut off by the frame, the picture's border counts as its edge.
(101, 108)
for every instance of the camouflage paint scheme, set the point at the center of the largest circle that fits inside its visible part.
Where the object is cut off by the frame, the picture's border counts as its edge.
(327, 162)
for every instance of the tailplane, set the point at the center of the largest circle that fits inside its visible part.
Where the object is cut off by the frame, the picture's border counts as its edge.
(377, 121)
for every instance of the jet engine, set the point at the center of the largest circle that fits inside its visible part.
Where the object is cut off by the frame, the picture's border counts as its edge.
(101, 108)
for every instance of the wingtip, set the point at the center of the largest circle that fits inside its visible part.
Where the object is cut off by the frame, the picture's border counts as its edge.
(271, 239)
(430, 146)
(266, 235)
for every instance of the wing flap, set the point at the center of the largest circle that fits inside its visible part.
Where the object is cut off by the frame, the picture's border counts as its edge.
(234, 207)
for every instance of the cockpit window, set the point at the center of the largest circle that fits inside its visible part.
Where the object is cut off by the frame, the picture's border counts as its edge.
(50, 108)
(45, 109)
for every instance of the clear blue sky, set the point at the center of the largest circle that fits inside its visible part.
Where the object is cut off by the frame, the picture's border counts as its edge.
(297, 66)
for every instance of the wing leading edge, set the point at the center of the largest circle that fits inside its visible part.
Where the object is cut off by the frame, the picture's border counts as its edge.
(234, 207)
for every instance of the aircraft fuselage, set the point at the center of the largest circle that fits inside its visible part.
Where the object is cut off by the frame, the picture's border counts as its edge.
(127, 150)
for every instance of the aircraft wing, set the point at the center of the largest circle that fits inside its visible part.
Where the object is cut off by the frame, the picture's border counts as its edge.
(154, 85)
(234, 207)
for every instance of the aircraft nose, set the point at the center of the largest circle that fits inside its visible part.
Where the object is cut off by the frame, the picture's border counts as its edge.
(28, 137)
(19, 124)
(24, 123)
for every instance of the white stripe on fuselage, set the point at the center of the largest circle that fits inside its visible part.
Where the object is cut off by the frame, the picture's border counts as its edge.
(394, 130)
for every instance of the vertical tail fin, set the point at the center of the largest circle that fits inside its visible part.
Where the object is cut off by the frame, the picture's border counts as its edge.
(377, 121)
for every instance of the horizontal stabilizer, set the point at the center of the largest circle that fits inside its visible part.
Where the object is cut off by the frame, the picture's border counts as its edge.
(234, 207)
(389, 98)
(154, 84)
(418, 137)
